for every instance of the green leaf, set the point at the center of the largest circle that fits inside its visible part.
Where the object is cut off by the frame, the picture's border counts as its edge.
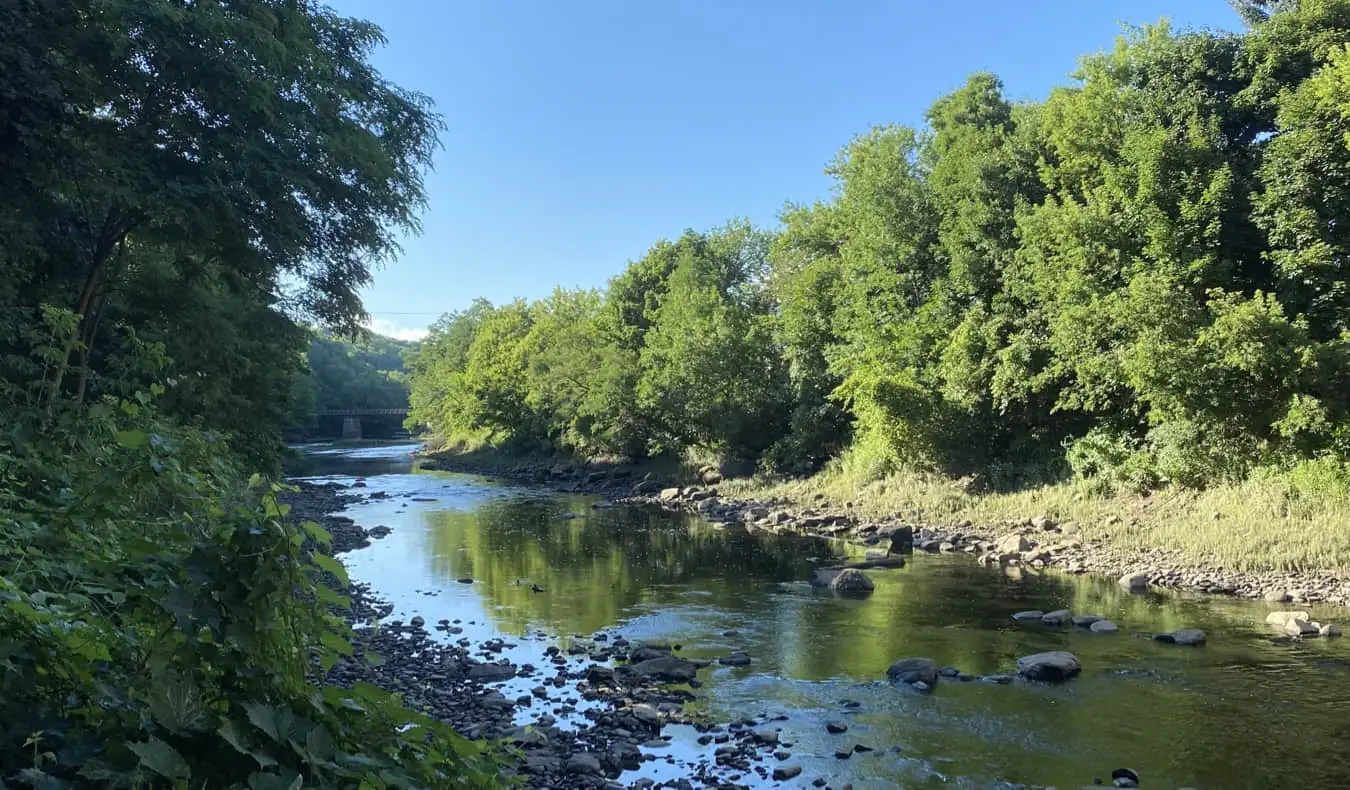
(335, 643)
(161, 758)
(234, 737)
(323, 536)
(328, 595)
(177, 705)
(131, 439)
(319, 745)
(276, 722)
(331, 565)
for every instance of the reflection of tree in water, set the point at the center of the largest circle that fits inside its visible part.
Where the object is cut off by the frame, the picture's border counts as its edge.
(606, 561)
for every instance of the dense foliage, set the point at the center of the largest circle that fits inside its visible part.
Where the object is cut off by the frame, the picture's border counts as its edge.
(1143, 275)
(183, 187)
(364, 373)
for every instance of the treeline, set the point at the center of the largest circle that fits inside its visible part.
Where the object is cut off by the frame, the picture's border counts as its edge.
(1142, 277)
(367, 372)
(185, 190)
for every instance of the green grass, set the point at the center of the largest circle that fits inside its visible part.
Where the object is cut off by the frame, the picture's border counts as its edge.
(1284, 521)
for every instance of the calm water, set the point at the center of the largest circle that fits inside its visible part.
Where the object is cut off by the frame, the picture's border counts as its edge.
(1241, 712)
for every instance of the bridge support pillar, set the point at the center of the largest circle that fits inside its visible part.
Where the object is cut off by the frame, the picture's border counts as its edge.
(351, 427)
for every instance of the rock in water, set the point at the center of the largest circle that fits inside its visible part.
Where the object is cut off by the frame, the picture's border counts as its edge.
(852, 582)
(902, 539)
(1104, 627)
(1135, 582)
(1028, 616)
(1329, 630)
(785, 772)
(1058, 617)
(1281, 619)
(1086, 620)
(1191, 637)
(668, 669)
(914, 670)
(1055, 666)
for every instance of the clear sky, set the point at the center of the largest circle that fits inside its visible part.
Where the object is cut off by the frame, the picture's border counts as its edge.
(582, 131)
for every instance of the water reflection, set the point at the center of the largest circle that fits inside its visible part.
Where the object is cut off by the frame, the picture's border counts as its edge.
(1241, 712)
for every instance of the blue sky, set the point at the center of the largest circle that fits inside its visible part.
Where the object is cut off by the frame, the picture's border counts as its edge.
(579, 132)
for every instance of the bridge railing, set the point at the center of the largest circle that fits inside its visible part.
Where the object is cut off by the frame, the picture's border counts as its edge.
(362, 413)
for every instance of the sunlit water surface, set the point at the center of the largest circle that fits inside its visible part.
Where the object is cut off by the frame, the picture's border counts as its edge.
(1241, 712)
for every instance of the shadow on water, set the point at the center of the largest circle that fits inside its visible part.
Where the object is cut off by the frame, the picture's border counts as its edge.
(1241, 712)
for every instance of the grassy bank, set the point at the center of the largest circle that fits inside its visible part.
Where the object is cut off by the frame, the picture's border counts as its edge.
(1283, 521)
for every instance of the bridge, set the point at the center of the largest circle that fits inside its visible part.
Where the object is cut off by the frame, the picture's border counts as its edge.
(381, 421)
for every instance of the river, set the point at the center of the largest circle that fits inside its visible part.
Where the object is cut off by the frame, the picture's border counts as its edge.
(1243, 711)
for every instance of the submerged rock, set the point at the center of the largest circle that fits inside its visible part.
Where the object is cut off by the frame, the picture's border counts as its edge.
(1028, 616)
(914, 670)
(1191, 637)
(1057, 617)
(1086, 620)
(851, 582)
(1055, 666)
(668, 669)
(1104, 627)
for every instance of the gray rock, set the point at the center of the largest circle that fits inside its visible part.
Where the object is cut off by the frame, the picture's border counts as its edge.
(491, 673)
(1281, 619)
(737, 659)
(1135, 582)
(1057, 617)
(1055, 666)
(783, 773)
(1086, 620)
(767, 737)
(583, 763)
(1276, 596)
(1329, 630)
(669, 494)
(836, 727)
(1012, 544)
(1301, 627)
(541, 764)
(648, 652)
(1104, 627)
(1190, 637)
(914, 670)
(851, 582)
(667, 668)
(1028, 616)
(998, 680)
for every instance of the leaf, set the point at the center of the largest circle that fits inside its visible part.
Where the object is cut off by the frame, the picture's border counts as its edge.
(276, 722)
(374, 659)
(230, 732)
(336, 643)
(323, 536)
(319, 745)
(132, 439)
(331, 565)
(161, 758)
(177, 705)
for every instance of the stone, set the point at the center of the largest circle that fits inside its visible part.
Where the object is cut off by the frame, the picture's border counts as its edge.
(669, 494)
(1055, 666)
(597, 675)
(783, 773)
(465, 580)
(1042, 522)
(1276, 596)
(1135, 582)
(1281, 619)
(1104, 627)
(1028, 616)
(491, 673)
(767, 737)
(737, 659)
(902, 539)
(914, 670)
(1124, 777)
(1086, 620)
(666, 668)
(836, 727)
(1057, 617)
(1190, 637)
(1301, 627)
(648, 652)
(998, 680)
(851, 582)
(1014, 543)
(583, 763)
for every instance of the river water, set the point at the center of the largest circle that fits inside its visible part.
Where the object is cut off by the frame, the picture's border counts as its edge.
(1244, 711)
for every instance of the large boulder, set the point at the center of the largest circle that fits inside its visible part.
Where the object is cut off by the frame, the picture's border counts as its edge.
(1281, 619)
(852, 582)
(1055, 666)
(666, 669)
(902, 539)
(914, 670)
(1135, 582)
(670, 494)
(1014, 543)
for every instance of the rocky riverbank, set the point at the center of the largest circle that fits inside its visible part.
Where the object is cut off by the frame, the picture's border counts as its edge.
(617, 697)
(1036, 543)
